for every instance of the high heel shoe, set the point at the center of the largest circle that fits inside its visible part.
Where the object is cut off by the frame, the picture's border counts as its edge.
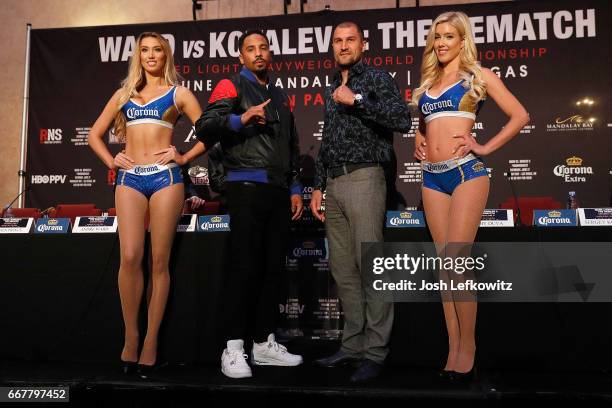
(127, 367)
(465, 378)
(146, 371)
(445, 375)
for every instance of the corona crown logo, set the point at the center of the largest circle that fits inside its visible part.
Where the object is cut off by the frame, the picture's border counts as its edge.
(574, 161)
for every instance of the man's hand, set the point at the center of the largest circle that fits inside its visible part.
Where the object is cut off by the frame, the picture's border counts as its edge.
(315, 205)
(194, 202)
(344, 95)
(255, 115)
(297, 207)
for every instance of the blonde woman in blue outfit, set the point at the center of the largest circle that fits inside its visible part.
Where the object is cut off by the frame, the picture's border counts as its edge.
(144, 111)
(455, 180)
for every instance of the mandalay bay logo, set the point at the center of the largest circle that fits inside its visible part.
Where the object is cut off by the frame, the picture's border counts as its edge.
(574, 122)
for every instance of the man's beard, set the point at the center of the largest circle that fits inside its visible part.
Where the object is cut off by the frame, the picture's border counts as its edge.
(261, 72)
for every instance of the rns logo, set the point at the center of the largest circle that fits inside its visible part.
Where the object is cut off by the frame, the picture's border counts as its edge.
(50, 136)
(48, 179)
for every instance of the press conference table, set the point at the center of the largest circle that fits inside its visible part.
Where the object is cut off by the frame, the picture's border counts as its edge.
(59, 301)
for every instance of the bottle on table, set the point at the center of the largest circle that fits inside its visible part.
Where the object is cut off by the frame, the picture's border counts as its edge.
(572, 201)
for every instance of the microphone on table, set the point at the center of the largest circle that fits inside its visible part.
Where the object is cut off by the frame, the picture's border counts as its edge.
(10, 205)
(46, 211)
(516, 202)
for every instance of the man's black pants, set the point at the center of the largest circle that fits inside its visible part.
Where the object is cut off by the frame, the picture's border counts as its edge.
(260, 215)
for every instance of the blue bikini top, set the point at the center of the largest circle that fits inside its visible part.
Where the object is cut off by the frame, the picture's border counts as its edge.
(453, 101)
(161, 110)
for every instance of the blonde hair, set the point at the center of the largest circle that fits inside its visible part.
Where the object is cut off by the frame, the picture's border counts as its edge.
(469, 67)
(136, 79)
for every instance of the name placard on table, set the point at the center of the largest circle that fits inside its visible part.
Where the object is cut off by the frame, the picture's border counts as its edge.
(595, 217)
(187, 223)
(101, 224)
(16, 225)
(496, 217)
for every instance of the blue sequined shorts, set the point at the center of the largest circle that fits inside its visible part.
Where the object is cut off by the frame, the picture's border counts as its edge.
(447, 175)
(150, 178)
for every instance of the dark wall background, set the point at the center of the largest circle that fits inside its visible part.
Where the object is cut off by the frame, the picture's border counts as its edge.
(551, 55)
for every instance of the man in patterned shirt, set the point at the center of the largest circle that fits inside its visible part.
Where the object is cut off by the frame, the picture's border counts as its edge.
(363, 108)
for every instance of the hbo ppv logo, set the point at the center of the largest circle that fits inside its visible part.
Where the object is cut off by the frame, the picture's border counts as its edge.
(48, 179)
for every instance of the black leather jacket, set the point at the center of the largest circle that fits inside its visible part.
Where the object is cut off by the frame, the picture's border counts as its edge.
(216, 173)
(272, 147)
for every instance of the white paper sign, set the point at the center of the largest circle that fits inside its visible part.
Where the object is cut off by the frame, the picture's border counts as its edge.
(595, 217)
(187, 223)
(497, 218)
(101, 224)
(16, 225)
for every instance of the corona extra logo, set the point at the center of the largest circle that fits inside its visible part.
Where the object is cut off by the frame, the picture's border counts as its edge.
(215, 223)
(573, 171)
(554, 218)
(404, 218)
(309, 248)
(145, 169)
(429, 107)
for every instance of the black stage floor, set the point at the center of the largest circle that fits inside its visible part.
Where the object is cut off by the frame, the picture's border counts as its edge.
(100, 385)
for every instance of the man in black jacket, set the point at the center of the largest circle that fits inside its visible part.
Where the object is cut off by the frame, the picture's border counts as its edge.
(252, 120)
(363, 108)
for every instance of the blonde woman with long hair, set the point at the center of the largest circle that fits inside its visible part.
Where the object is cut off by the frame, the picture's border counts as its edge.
(144, 111)
(455, 180)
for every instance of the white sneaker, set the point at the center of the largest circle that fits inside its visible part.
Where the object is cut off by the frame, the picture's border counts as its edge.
(233, 360)
(272, 353)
